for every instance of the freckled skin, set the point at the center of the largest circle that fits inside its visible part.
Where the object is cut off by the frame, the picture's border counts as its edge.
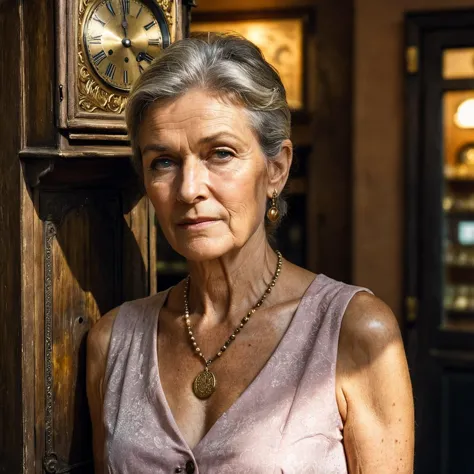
(201, 158)
(372, 373)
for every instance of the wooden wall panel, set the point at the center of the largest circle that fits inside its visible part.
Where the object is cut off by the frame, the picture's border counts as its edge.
(330, 189)
(82, 280)
(11, 412)
(29, 273)
(137, 271)
(36, 244)
(39, 51)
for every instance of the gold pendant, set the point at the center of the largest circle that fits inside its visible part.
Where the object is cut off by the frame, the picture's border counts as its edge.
(204, 384)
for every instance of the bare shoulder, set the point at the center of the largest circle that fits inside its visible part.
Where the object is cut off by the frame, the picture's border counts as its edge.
(368, 327)
(373, 389)
(98, 339)
(370, 350)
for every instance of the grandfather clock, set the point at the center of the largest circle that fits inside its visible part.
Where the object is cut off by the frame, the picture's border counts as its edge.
(76, 234)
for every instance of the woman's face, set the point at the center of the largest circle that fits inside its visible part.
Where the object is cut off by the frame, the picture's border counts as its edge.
(205, 174)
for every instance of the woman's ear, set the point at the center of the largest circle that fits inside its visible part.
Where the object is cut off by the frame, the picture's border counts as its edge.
(279, 168)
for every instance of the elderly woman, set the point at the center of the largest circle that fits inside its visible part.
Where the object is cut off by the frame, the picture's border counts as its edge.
(251, 364)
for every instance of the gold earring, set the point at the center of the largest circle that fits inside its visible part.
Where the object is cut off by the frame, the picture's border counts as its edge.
(273, 213)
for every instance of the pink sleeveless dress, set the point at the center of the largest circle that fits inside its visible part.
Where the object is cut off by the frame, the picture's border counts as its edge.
(286, 421)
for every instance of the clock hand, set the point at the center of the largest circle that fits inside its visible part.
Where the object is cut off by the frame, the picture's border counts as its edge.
(124, 15)
(140, 58)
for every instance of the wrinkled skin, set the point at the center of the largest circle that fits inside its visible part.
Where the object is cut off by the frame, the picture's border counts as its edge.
(207, 178)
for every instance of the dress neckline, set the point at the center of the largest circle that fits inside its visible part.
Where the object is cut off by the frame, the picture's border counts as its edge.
(156, 387)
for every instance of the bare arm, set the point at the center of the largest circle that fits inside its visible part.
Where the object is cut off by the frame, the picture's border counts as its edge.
(97, 348)
(374, 390)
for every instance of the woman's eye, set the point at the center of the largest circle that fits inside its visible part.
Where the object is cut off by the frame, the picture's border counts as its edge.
(161, 164)
(223, 154)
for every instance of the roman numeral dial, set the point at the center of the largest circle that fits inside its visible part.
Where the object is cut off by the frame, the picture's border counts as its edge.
(110, 70)
(121, 39)
(99, 57)
(150, 25)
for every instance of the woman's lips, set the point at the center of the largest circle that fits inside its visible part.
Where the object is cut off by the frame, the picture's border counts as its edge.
(198, 223)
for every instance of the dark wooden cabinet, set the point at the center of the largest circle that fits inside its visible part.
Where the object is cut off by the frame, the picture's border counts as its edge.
(76, 235)
(439, 278)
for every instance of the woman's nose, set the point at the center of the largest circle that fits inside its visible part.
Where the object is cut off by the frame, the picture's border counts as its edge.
(192, 186)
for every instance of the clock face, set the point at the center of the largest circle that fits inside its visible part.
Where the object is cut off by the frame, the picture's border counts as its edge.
(122, 37)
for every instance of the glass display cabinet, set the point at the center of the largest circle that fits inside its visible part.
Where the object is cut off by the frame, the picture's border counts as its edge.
(458, 198)
(439, 277)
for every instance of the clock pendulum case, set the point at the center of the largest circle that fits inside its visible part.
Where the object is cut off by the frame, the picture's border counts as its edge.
(88, 235)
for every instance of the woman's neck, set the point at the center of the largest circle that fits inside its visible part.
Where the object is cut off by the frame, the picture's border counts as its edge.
(231, 285)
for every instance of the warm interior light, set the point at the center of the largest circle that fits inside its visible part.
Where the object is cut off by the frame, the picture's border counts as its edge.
(256, 34)
(464, 116)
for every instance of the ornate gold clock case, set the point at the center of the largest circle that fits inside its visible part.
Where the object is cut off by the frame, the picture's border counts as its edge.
(109, 43)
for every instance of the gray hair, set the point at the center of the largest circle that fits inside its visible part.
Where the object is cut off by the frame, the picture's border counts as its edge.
(224, 64)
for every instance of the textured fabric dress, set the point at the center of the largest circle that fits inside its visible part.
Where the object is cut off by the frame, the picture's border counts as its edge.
(286, 421)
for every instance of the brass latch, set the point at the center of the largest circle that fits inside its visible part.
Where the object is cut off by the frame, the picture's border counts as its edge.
(412, 59)
(411, 303)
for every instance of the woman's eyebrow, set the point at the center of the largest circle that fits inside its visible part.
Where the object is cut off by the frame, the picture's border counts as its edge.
(203, 141)
(154, 147)
(217, 136)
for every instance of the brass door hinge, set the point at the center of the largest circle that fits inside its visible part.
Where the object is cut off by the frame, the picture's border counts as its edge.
(412, 59)
(411, 306)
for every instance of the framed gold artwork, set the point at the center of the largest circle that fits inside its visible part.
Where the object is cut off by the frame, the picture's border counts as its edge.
(279, 35)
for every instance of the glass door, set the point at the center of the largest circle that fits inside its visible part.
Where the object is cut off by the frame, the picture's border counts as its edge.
(458, 199)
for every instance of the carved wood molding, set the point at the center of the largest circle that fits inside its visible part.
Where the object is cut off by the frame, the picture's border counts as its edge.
(50, 460)
(37, 170)
(94, 97)
(53, 212)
